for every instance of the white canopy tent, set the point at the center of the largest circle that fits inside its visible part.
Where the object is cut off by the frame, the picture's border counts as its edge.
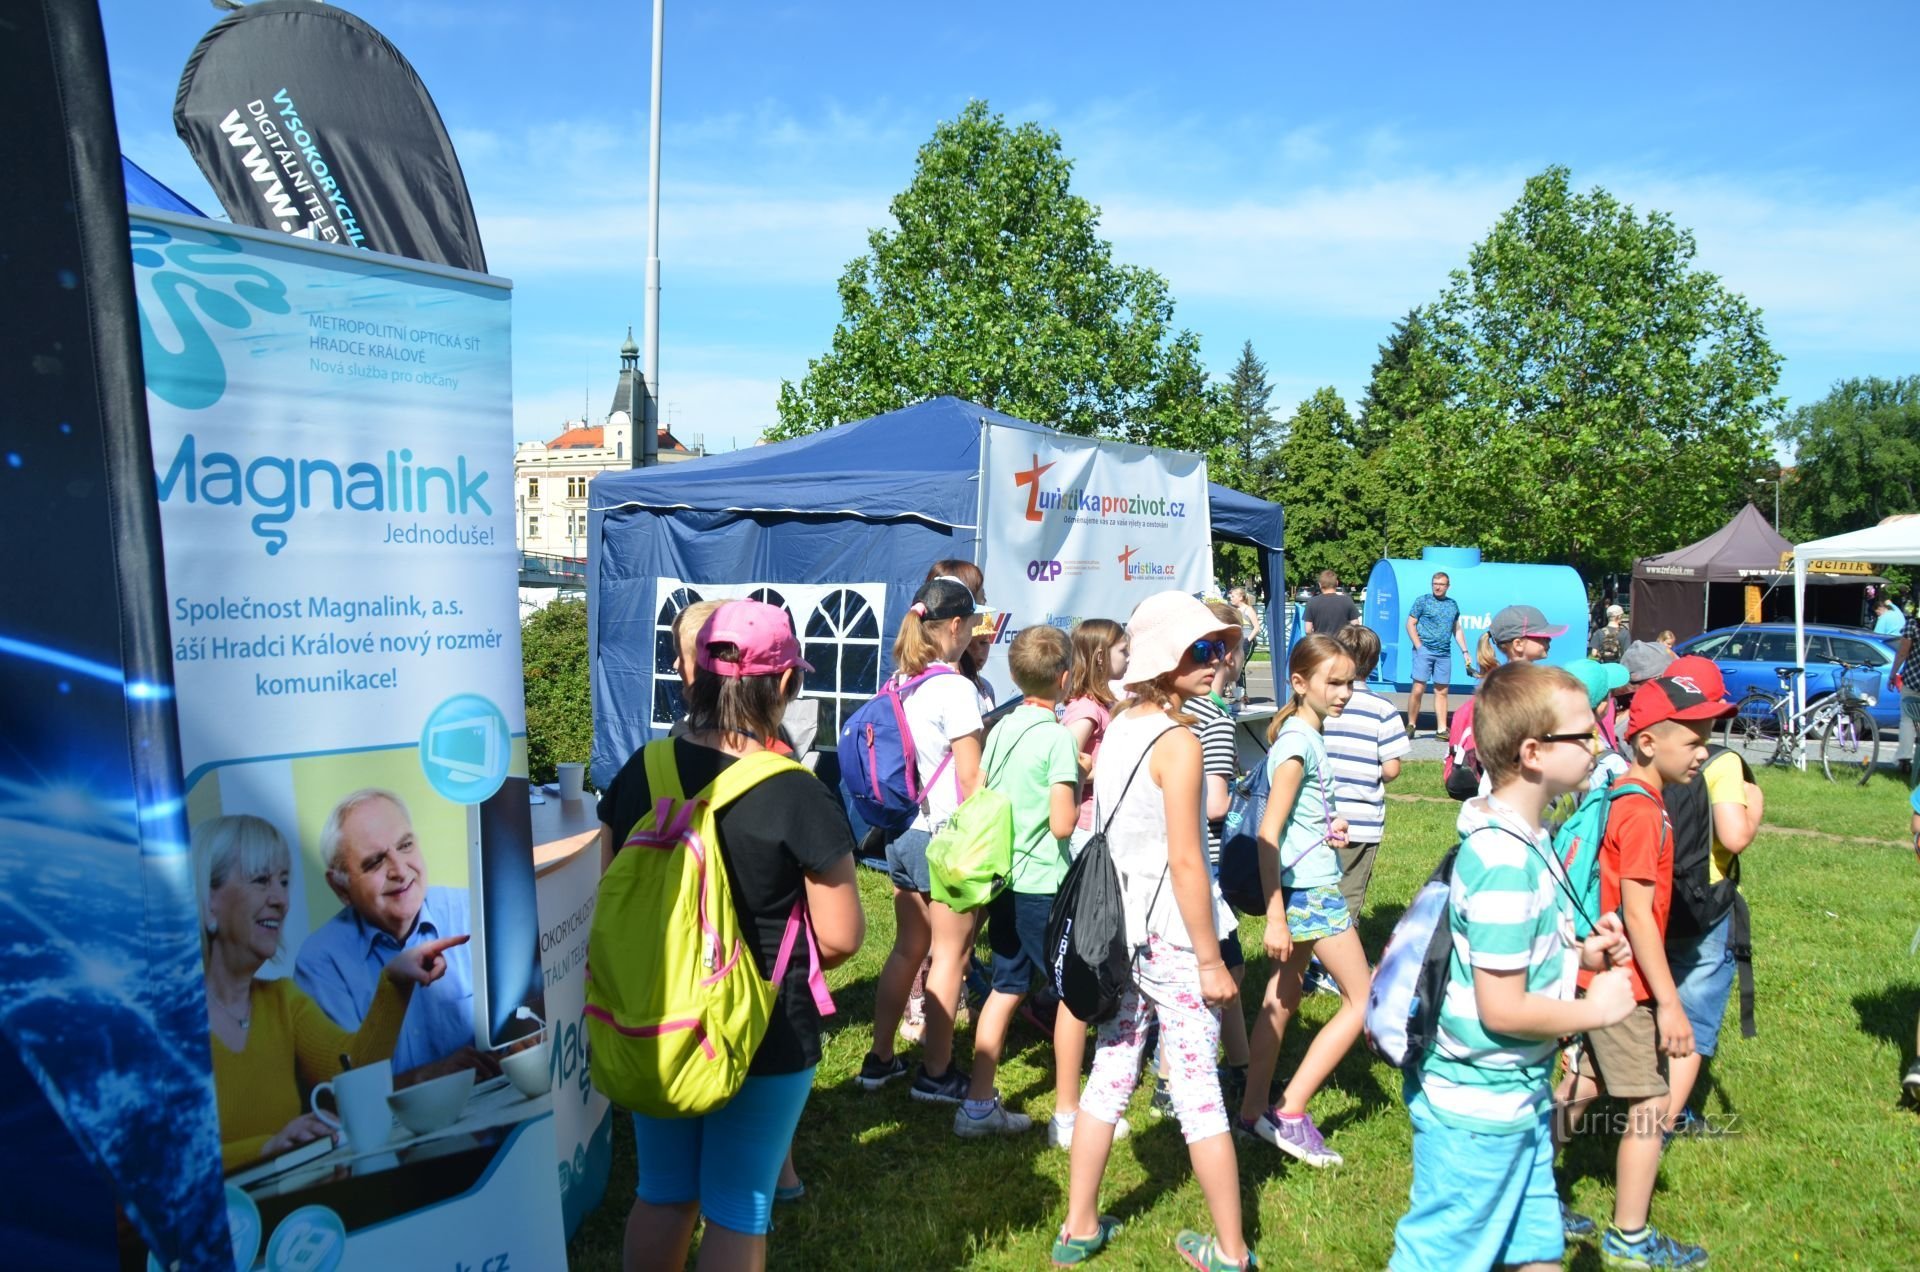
(1895, 541)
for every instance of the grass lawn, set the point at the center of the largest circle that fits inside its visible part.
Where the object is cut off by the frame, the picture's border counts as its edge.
(1817, 1165)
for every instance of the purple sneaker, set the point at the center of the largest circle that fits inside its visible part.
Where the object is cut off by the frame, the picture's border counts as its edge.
(1296, 1137)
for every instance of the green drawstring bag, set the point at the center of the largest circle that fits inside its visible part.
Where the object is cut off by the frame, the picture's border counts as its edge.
(970, 859)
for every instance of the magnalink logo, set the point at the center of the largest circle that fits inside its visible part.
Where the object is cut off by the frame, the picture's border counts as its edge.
(281, 486)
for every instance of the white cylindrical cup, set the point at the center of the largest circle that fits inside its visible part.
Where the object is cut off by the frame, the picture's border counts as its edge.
(572, 776)
(360, 1105)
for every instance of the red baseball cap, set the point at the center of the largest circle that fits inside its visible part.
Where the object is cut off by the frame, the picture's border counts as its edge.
(1664, 698)
(762, 633)
(1703, 674)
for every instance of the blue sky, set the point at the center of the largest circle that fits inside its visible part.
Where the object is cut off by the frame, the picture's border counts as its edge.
(1301, 174)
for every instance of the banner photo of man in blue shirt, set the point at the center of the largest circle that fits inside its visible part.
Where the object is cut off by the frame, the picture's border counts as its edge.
(375, 866)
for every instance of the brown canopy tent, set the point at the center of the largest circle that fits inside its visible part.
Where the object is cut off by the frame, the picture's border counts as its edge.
(1706, 584)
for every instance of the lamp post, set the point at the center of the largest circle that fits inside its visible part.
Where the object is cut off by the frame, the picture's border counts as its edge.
(648, 450)
(1775, 483)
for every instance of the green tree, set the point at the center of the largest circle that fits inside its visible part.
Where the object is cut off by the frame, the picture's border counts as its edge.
(553, 657)
(994, 285)
(1331, 492)
(1599, 397)
(1255, 431)
(1401, 387)
(1856, 457)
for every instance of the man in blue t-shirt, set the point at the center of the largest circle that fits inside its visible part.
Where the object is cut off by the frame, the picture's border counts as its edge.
(1433, 621)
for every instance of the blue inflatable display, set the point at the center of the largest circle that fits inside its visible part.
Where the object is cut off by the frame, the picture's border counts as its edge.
(1481, 590)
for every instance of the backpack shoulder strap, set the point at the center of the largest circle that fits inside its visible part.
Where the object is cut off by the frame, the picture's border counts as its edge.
(987, 780)
(663, 774)
(1128, 784)
(741, 776)
(1634, 788)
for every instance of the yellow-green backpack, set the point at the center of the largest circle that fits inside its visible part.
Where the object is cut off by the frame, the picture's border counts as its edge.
(676, 1006)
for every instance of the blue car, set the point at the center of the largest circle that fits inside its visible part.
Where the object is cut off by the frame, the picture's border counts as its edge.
(1748, 654)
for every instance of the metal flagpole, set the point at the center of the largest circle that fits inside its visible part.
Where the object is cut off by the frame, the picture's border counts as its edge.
(650, 429)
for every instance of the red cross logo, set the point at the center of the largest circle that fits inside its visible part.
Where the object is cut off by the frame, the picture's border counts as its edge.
(1031, 480)
(1126, 556)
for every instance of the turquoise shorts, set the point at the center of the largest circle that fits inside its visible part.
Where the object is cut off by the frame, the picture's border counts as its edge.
(1478, 1200)
(729, 1160)
(1314, 914)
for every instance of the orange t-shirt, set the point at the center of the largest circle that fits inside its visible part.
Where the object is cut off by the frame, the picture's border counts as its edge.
(1638, 845)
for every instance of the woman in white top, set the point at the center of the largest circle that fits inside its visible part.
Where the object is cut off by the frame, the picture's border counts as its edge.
(1147, 791)
(943, 714)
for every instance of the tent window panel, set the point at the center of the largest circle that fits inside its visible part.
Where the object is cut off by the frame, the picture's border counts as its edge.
(665, 655)
(668, 704)
(860, 669)
(825, 657)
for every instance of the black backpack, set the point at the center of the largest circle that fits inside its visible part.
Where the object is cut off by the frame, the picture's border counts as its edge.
(1697, 903)
(1611, 648)
(1092, 960)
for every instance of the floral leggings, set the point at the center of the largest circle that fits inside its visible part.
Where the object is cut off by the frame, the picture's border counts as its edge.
(1166, 981)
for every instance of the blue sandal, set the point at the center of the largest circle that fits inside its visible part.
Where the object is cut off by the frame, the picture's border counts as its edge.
(1203, 1253)
(1069, 1250)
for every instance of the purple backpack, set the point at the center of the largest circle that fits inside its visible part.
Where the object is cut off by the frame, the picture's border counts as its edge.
(878, 767)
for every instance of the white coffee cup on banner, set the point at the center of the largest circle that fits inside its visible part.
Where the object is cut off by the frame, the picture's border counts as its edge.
(360, 1105)
(572, 777)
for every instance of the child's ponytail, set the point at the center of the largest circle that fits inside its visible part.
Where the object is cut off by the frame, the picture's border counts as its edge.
(939, 599)
(1487, 653)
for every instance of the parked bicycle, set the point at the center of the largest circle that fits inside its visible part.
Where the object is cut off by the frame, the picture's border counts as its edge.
(1766, 729)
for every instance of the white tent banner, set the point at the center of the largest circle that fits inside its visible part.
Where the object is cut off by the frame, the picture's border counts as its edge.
(1073, 528)
(1890, 543)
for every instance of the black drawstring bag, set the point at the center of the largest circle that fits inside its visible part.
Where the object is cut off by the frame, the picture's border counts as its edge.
(1090, 958)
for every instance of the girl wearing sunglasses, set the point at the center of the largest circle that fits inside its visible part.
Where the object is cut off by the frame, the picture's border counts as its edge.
(1147, 801)
(1306, 913)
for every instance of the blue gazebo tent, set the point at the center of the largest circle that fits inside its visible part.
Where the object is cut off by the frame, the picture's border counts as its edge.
(866, 503)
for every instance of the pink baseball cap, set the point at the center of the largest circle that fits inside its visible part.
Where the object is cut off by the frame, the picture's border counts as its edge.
(762, 633)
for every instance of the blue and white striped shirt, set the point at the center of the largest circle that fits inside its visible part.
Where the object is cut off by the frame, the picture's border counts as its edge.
(1359, 740)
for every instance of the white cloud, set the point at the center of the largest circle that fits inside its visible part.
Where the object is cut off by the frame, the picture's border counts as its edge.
(1369, 250)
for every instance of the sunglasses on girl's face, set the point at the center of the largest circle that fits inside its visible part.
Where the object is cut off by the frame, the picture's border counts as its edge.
(1208, 651)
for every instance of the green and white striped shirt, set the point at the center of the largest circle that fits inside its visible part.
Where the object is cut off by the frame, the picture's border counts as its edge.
(1509, 909)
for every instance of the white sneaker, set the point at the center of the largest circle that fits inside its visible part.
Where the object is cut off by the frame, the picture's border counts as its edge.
(998, 1121)
(1060, 1134)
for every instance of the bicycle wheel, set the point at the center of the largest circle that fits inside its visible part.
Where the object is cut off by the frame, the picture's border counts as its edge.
(1753, 729)
(1850, 745)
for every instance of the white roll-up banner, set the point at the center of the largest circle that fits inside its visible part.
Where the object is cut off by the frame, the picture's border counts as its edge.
(333, 453)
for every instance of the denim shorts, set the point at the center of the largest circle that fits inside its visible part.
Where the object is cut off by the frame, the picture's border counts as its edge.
(1478, 1200)
(1433, 666)
(907, 861)
(1017, 931)
(728, 1160)
(1703, 971)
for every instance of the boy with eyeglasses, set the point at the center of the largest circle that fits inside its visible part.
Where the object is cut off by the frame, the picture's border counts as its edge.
(1480, 1100)
(1668, 744)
